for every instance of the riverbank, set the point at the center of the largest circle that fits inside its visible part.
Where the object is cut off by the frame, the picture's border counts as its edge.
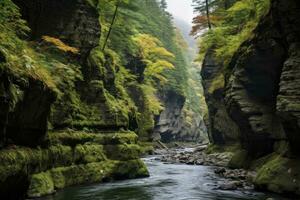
(241, 180)
(69, 158)
(167, 181)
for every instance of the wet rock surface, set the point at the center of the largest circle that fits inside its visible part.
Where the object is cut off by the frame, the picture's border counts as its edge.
(254, 101)
(234, 179)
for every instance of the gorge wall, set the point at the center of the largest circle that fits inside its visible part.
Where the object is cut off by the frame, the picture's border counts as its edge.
(73, 111)
(176, 123)
(66, 87)
(255, 101)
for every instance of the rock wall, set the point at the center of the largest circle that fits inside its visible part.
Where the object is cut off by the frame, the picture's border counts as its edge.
(25, 107)
(75, 22)
(172, 124)
(45, 88)
(70, 158)
(257, 97)
(221, 128)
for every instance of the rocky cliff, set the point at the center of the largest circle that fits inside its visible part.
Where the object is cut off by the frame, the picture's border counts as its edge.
(176, 123)
(255, 103)
(56, 78)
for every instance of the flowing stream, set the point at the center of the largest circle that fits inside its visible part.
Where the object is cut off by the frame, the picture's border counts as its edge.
(167, 182)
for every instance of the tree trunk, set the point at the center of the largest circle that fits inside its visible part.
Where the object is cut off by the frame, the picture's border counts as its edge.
(207, 14)
(111, 26)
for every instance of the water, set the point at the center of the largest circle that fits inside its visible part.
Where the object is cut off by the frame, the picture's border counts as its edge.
(167, 182)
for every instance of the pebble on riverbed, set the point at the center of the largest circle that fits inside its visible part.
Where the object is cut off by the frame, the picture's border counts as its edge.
(234, 179)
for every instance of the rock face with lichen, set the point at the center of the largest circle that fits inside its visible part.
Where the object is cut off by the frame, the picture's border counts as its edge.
(69, 158)
(221, 128)
(257, 97)
(61, 81)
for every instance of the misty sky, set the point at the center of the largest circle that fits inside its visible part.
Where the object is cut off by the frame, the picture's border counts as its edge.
(181, 9)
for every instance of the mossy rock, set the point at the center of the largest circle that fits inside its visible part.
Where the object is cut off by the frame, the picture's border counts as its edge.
(240, 159)
(28, 161)
(118, 138)
(213, 148)
(60, 155)
(58, 178)
(123, 151)
(217, 83)
(280, 175)
(41, 185)
(89, 153)
(70, 138)
(74, 138)
(130, 169)
(22, 160)
(146, 148)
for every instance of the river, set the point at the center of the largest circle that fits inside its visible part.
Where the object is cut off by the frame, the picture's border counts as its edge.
(167, 182)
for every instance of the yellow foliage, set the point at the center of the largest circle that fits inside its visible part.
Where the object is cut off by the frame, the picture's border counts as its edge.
(60, 44)
(154, 55)
(153, 102)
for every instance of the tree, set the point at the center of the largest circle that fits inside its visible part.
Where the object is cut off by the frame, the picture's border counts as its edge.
(209, 13)
(202, 7)
(163, 5)
(111, 24)
(154, 55)
(117, 4)
(236, 21)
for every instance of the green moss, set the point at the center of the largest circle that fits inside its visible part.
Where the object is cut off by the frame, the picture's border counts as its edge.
(280, 175)
(70, 138)
(89, 153)
(130, 169)
(41, 184)
(257, 164)
(61, 177)
(213, 148)
(146, 148)
(145, 124)
(73, 138)
(22, 160)
(217, 83)
(118, 138)
(97, 59)
(61, 155)
(123, 151)
(240, 159)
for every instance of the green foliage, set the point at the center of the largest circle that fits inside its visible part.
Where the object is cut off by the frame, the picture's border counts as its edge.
(138, 19)
(156, 57)
(10, 19)
(21, 58)
(235, 25)
(151, 101)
